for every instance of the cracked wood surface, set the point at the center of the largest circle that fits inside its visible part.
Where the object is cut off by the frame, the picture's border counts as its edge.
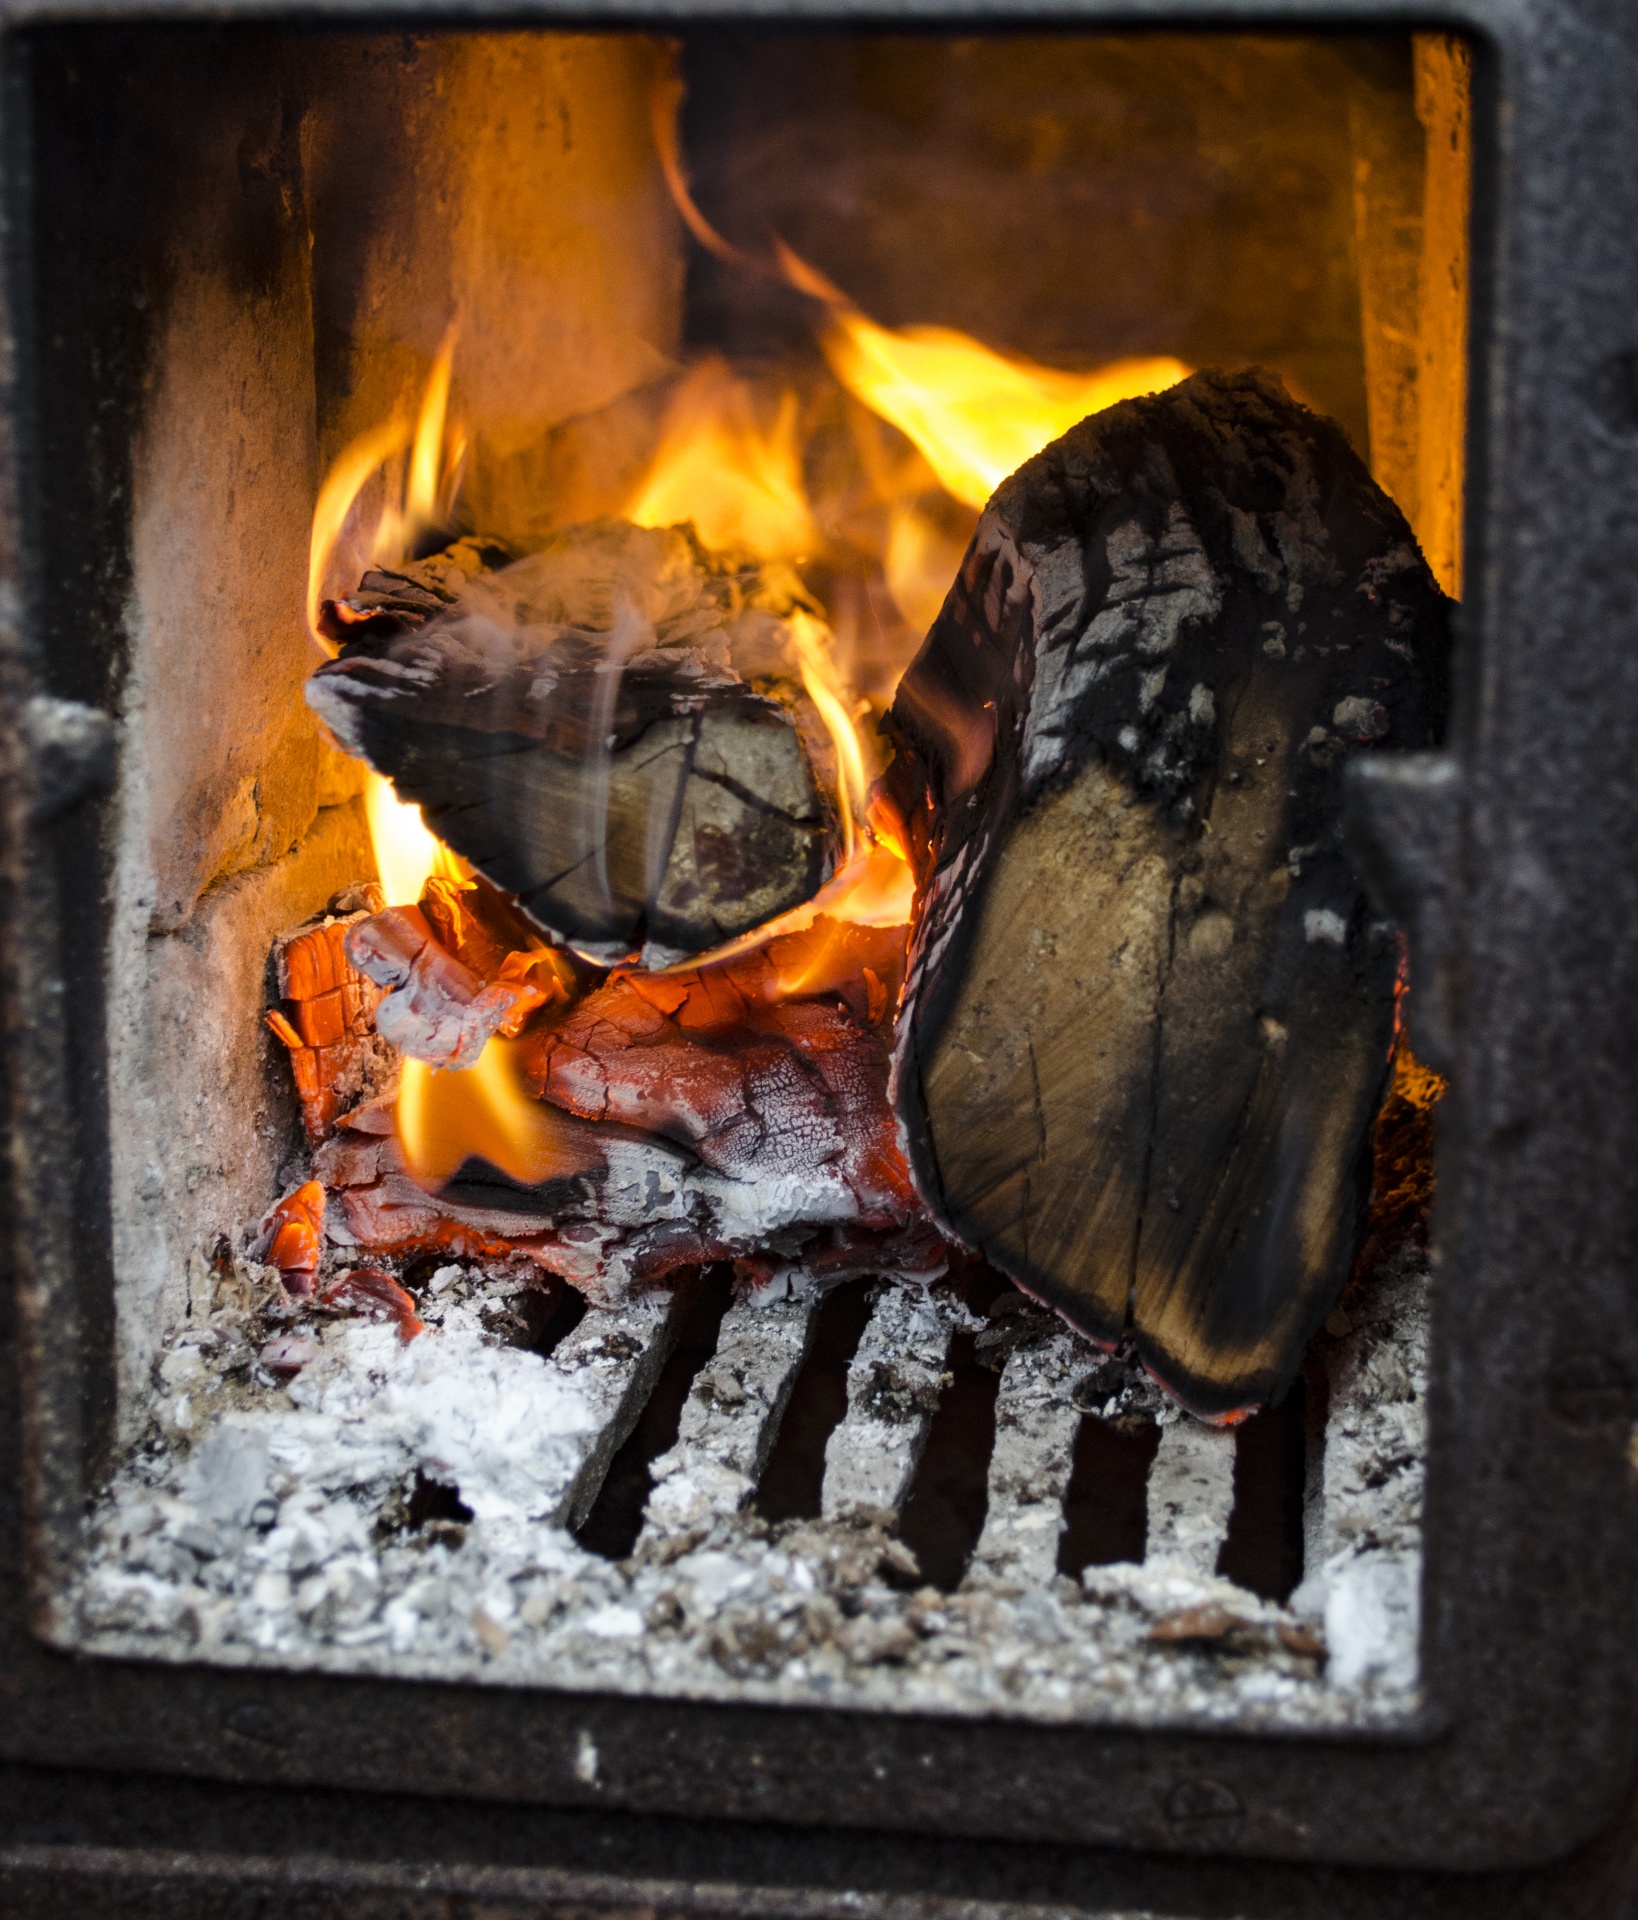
(580, 726)
(1149, 1010)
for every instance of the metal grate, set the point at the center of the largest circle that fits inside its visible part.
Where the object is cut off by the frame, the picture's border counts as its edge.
(412, 1509)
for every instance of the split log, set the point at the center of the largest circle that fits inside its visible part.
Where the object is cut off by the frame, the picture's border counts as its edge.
(608, 730)
(1149, 1011)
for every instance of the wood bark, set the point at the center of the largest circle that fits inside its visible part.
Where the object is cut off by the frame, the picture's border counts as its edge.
(1149, 1011)
(607, 730)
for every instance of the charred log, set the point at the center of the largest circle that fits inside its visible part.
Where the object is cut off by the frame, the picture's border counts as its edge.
(1149, 1011)
(583, 727)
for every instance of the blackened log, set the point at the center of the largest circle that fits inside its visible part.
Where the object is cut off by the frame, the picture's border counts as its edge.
(582, 727)
(1149, 1011)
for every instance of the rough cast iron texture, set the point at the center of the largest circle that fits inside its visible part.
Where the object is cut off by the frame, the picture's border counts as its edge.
(1511, 860)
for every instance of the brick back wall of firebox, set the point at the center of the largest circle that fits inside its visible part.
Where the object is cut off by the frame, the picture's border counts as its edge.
(250, 247)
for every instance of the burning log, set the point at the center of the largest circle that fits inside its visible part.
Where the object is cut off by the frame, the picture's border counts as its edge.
(727, 1061)
(583, 727)
(1149, 1012)
(436, 1009)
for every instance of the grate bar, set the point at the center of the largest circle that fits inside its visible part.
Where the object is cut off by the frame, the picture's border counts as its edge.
(613, 1359)
(1191, 1495)
(1035, 1427)
(731, 1417)
(893, 1388)
(1364, 1529)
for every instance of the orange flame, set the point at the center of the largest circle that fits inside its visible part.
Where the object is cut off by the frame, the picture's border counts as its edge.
(976, 415)
(429, 484)
(816, 661)
(739, 483)
(406, 854)
(443, 1118)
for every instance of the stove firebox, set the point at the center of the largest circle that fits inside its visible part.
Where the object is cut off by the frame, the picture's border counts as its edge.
(344, 1357)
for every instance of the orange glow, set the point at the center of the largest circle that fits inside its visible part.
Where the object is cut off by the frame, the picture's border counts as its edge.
(739, 483)
(443, 1118)
(427, 494)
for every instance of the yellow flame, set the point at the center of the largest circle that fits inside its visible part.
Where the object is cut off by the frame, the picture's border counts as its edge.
(430, 477)
(486, 1111)
(975, 414)
(430, 481)
(407, 853)
(716, 465)
(920, 562)
(345, 481)
(817, 664)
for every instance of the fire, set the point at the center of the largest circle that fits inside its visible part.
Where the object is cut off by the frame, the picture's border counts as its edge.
(976, 415)
(406, 853)
(433, 475)
(443, 1118)
(816, 660)
(426, 494)
(717, 465)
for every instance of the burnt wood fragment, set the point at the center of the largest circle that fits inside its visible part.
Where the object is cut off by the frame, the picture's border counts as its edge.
(604, 730)
(1149, 1011)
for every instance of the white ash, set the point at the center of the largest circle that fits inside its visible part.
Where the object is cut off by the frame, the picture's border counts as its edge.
(1364, 1545)
(267, 1525)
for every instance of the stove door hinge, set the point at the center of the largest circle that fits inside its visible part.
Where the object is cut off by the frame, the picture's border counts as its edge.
(1403, 814)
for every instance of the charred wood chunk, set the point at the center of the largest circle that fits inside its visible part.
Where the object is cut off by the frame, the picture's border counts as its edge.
(762, 1083)
(1149, 1011)
(436, 1008)
(582, 727)
(327, 1018)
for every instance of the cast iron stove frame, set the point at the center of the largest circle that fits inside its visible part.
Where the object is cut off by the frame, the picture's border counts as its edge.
(1508, 859)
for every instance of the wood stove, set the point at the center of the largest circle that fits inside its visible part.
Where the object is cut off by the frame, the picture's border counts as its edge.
(235, 252)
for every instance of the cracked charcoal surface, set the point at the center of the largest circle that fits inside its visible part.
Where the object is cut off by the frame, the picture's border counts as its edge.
(1149, 1007)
